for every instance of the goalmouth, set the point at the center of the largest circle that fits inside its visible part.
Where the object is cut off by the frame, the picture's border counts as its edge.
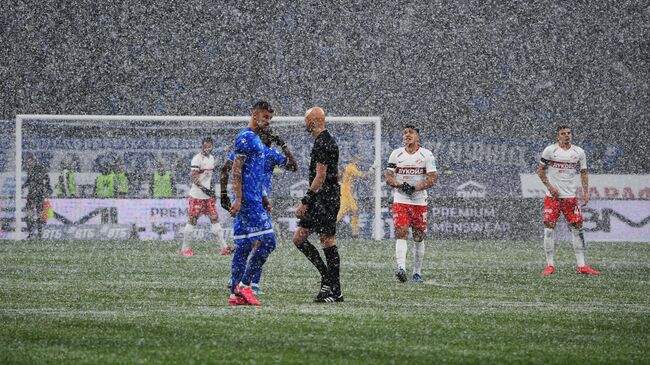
(289, 126)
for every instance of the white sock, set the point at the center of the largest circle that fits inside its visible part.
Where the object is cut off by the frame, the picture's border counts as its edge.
(218, 231)
(418, 256)
(549, 245)
(400, 253)
(579, 245)
(187, 234)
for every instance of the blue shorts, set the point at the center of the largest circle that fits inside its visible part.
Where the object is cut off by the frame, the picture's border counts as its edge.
(251, 224)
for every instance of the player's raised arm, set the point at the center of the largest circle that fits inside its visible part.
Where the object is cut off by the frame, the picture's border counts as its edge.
(292, 164)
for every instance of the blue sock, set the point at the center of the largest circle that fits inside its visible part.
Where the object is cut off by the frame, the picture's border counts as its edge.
(258, 258)
(258, 276)
(239, 264)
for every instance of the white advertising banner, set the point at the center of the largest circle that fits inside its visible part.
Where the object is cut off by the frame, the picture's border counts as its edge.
(601, 186)
(617, 220)
(148, 218)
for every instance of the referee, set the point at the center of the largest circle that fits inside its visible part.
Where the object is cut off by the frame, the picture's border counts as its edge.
(318, 209)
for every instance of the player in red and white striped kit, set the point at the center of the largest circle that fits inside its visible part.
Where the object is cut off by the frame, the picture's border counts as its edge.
(202, 198)
(557, 170)
(411, 170)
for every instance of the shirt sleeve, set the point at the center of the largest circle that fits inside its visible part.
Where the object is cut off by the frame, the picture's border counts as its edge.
(324, 153)
(582, 157)
(547, 154)
(392, 161)
(231, 156)
(430, 163)
(278, 158)
(196, 163)
(245, 144)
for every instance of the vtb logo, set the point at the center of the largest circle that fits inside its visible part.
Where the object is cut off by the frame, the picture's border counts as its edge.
(602, 219)
(108, 215)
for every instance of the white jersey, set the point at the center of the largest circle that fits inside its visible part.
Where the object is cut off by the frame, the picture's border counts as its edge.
(562, 166)
(205, 166)
(413, 169)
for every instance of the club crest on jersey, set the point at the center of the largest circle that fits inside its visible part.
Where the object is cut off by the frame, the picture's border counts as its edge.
(410, 170)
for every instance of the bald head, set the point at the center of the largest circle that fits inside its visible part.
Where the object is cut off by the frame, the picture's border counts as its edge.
(315, 119)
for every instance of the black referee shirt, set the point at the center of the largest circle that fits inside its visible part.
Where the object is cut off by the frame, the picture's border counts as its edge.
(325, 151)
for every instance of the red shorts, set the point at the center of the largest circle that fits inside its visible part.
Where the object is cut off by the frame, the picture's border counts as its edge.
(407, 215)
(568, 206)
(202, 206)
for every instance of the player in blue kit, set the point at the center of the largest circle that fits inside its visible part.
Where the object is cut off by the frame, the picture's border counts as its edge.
(272, 159)
(252, 222)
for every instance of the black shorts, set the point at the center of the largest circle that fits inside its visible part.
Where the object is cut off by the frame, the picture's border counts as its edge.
(320, 216)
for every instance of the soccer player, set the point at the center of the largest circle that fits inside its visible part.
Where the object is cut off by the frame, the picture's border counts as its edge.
(272, 159)
(252, 222)
(557, 170)
(320, 205)
(351, 173)
(411, 170)
(202, 197)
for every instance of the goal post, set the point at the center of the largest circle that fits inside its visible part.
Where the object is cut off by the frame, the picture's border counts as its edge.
(289, 127)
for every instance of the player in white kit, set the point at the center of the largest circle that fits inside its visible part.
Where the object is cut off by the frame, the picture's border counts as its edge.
(557, 170)
(202, 197)
(411, 170)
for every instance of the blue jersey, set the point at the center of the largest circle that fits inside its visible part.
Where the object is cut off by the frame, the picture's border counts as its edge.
(272, 158)
(252, 222)
(249, 145)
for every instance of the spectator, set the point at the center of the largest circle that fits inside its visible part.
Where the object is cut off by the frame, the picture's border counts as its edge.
(162, 184)
(105, 183)
(66, 186)
(121, 181)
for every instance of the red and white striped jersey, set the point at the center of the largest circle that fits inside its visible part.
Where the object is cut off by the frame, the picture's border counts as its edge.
(562, 166)
(413, 169)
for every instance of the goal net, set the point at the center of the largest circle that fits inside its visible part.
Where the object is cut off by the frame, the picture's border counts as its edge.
(76, 150)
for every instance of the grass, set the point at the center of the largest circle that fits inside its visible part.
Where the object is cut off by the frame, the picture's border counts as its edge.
(482, 302)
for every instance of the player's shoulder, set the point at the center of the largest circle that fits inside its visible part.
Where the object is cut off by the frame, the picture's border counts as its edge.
(398, 151)
(551, 148)
(326, 138)
(325, 141)
(425, 152)
(246, 133)
(578, 149)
